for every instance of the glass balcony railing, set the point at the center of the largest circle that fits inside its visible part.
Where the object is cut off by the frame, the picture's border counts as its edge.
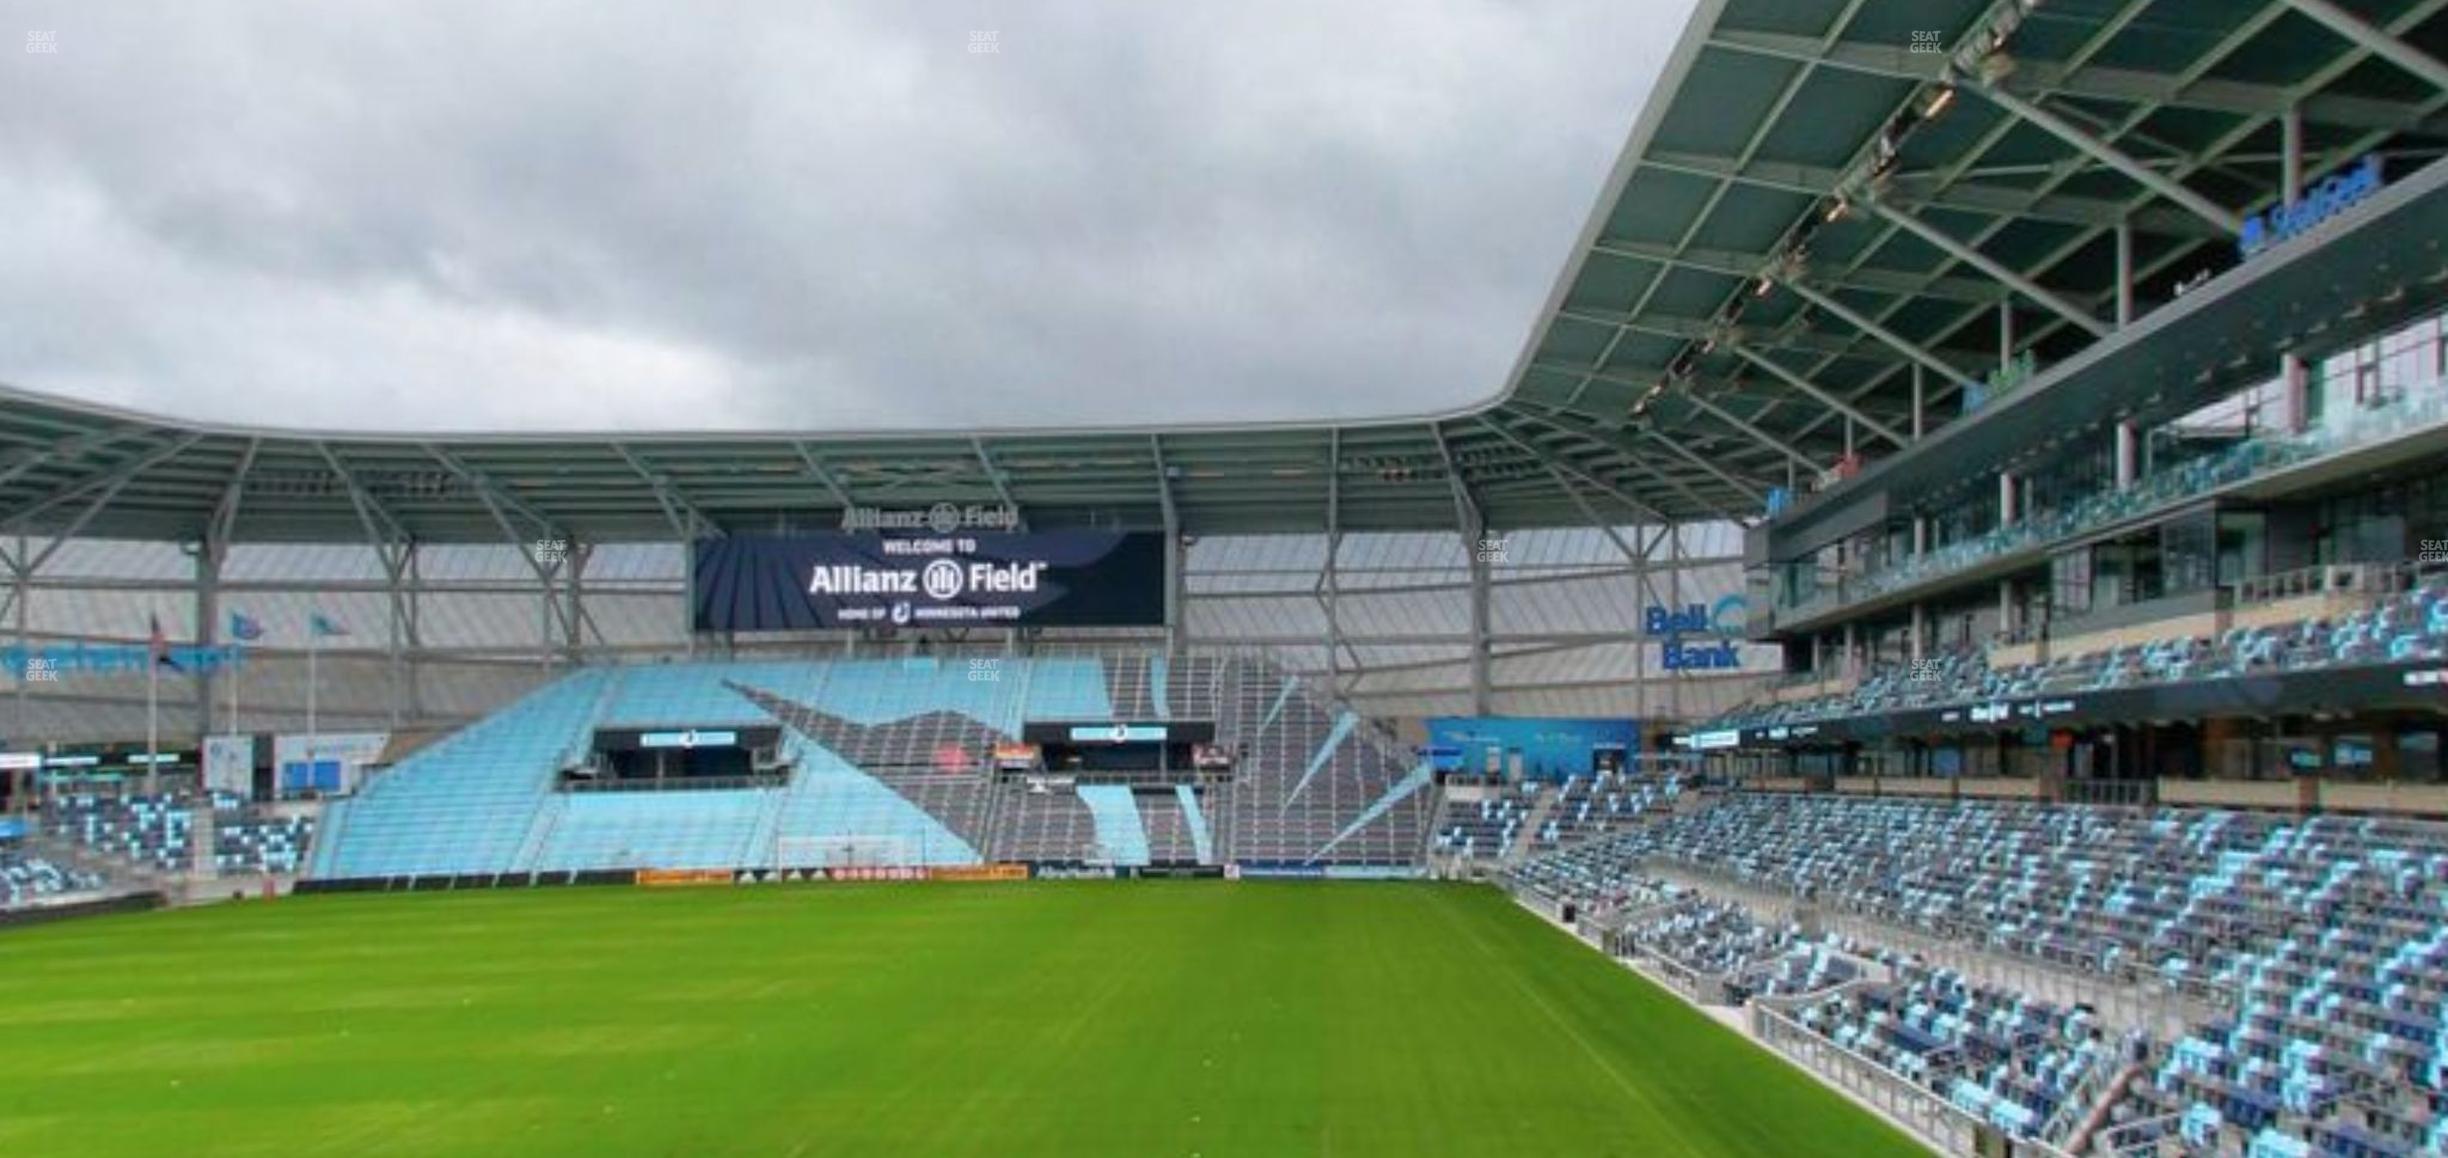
(2415, 408)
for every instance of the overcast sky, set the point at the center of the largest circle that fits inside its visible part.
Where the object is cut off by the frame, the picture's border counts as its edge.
(606, 214)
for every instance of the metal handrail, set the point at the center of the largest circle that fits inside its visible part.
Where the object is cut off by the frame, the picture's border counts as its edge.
(1942, 1123)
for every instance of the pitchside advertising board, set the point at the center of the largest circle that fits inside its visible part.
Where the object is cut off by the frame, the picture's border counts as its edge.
(815, 581)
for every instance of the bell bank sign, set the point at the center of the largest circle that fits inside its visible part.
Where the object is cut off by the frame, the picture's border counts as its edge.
(1724, 619)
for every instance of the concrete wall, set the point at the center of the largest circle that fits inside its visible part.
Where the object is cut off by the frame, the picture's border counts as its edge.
(2421, 799)
(2231, 793)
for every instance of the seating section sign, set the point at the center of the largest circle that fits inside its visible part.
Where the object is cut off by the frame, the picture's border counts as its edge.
(820, 581)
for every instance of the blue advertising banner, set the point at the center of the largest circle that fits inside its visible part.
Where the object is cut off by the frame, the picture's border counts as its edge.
(805, 582)
(1550, 749)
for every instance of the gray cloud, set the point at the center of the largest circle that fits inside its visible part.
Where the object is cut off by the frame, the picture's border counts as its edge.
(462, 215)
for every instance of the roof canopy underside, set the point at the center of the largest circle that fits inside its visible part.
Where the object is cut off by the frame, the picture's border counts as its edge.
(1823, 202)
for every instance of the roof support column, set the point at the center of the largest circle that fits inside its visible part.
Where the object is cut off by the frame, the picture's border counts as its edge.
(1334, 547)
(1479, 552)
(412, 634)
(20, 586)
(2005, 334)
(1674, 599)
(2290, 156)
(2100, 151)
(1479, 648)
(1640, 647)
(2376, 41)
(1177, 562)
(211, 552)
(1991, 266)
(1920, 400)
(398, 630)
(2124, 273)
(574, 577)
(688, 586)
(208, 558)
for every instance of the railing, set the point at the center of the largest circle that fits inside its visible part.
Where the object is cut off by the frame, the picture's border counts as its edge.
(2422, 405)
(2328, 579)
(677, 783)
(2126, 998)
(2135, 1139)
(1933, 1119)
(2368, 580)
(1705, 988)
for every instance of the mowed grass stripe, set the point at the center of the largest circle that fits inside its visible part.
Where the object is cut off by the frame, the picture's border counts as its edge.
(1206, 1019)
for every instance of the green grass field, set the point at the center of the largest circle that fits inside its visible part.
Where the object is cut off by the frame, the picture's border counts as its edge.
(1204, 1019)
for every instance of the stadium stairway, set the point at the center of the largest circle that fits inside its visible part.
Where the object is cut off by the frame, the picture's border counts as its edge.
(1540, 806)
(1119, 832)
(1200, 841)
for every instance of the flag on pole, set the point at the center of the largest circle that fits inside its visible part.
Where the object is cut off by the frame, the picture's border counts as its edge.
(320, 624)
(245, 627)
(159, 645)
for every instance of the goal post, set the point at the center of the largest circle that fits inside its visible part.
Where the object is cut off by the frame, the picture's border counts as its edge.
(853, 850)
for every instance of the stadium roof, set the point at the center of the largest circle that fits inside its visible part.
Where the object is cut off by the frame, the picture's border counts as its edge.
(1823, 201)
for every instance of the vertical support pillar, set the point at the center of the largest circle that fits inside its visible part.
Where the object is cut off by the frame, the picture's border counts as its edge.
(575, 576)
(2295, 375)
(548, 602)
(207, 620)
(2290, 156)
(2124, 274)
(2006, 334)
(1674, 591)
(1640, 654)
(688, 589)
(1476, 532)
(395, 628)
(2006, 498)
(1919, 400)
(1334, 547)
(21, 578)
(1177, 565)
(2127, 462)
(415, 622)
